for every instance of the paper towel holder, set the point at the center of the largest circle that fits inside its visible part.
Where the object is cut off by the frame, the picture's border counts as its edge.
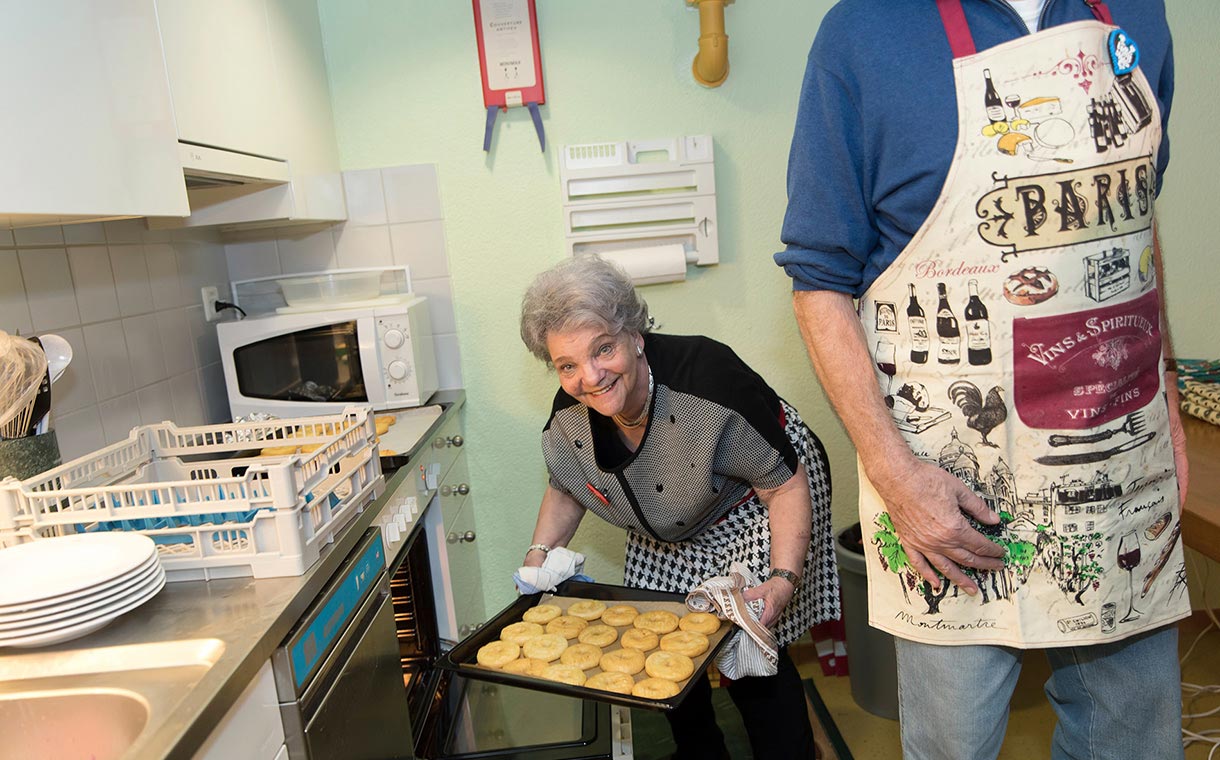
(626, 199)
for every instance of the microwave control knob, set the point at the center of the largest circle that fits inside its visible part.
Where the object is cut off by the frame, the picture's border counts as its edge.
(393, 338)
(397, 370)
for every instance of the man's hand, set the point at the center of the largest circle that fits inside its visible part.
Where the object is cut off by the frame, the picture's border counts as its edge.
(776, 593)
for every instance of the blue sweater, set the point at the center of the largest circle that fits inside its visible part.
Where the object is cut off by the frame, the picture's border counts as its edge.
(876, 127)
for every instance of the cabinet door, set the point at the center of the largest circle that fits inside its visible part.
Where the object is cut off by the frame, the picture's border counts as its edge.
(454, 488)
(464, 569)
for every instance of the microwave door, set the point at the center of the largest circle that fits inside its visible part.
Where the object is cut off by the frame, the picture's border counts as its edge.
(316, 364)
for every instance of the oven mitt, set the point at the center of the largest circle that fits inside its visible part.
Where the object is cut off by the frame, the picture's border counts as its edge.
(753, 650)
(560, 565)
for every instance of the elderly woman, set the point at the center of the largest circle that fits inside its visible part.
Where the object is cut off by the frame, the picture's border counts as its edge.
(678, 441)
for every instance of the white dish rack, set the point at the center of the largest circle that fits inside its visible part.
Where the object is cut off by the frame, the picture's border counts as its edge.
(210, 515)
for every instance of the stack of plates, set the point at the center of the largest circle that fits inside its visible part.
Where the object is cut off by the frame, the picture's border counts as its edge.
(62, 588)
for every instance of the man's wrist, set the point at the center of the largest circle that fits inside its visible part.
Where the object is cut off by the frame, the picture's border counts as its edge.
(1171, 365)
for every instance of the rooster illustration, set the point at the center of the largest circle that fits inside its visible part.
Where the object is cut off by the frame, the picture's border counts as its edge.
(983, 416)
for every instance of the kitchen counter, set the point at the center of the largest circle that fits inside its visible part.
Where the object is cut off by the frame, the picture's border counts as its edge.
(1201, 514)
(249, 617)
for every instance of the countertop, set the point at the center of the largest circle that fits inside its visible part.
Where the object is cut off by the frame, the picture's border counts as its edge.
(251, 617)
(1201, 515)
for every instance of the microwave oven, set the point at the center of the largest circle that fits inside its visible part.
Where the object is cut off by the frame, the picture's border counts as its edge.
(319, 362)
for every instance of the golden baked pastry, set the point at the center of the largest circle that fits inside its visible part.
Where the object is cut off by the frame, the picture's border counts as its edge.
(619, 683)
(564, 674)
(546, 647)
(386, 419)
(638, 638)
(619, 614)
(567, 626)
(598, 635)
(669, 665)
(497, 654)
(655, 688)
(700, 622)
(688, 643)
(278, 451)
(583, 656)
(542, 614)
(382, 427)
(659, 622)
(526, 666)
(389, 453)
(629, 661)
(519, 633)
(588, 609)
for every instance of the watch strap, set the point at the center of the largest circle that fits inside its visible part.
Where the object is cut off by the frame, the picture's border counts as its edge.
(788, 575)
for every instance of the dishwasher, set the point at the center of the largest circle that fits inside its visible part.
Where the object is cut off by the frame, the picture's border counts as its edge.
(337, 674)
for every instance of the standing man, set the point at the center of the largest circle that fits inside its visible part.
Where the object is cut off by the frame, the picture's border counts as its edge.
(979, 177)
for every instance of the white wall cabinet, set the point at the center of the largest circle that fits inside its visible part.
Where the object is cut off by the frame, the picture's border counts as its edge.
(88, 131)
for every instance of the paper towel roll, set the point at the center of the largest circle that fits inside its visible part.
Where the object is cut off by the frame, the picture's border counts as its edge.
(651, 264)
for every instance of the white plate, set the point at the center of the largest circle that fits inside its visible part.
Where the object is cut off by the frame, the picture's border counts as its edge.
(52, 567)
(59, 634)
(45, 606)
(80, 605)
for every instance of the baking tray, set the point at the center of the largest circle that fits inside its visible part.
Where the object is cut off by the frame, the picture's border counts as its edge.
(463, 657)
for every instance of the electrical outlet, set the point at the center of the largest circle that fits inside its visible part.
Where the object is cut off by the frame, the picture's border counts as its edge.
(210, 296)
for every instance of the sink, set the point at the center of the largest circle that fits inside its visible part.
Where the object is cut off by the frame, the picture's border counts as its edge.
(92, 724)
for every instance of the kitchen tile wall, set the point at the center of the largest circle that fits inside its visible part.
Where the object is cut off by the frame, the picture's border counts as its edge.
(127, 299)
(394, 218)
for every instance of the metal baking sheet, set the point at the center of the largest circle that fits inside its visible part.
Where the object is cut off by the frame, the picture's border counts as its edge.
(463, 657)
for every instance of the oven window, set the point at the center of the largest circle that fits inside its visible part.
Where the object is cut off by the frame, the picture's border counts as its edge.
(497, 717)
(319, 364)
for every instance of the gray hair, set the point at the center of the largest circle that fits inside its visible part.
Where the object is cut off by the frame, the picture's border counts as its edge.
(582, 291)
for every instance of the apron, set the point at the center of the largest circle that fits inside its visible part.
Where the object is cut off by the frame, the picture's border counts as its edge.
(1017, 339)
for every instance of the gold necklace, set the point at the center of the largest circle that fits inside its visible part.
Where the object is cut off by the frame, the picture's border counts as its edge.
(643, 415)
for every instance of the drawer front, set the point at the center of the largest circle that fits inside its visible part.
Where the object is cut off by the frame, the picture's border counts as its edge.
(454, 489)
(447, 443)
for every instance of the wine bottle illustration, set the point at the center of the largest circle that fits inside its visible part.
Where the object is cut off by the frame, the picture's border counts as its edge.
(919, 329)
(991, 99)
(949, 335)
(978, 329)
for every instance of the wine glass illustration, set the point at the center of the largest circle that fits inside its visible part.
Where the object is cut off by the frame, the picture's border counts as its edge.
(1012, 101)
(1129, 559)
(886, 361)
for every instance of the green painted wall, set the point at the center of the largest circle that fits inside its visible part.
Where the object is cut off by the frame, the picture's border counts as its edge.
(405, 87)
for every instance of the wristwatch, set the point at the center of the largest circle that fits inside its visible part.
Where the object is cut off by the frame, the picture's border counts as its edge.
(788, 575)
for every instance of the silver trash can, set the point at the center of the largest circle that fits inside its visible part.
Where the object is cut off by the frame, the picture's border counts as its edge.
(872, 664)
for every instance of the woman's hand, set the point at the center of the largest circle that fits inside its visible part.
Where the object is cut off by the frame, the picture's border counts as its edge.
(775, 593)
(534, 558)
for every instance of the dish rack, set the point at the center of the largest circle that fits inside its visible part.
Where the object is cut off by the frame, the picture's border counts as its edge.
(214, 505)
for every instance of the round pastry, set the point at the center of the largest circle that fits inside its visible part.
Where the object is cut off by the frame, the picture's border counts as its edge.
(567, 626)
(389, 453)
(564, 674)
(659, 622)
(497, 654)
(700, 622)
(385, 419)
(669, 665)
(583, 656)
(638, 638)
(382, 427)
(526, 666)
(655, 688)
(588, 610)
(542, 614)
(619, 614)
(519, 633)
(1031, 285)
(546, 647)
(619, 683)
(629, 661)
(309, 448)
(598, 635)
(688, 643)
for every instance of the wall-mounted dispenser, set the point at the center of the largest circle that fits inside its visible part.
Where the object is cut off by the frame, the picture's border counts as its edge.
(648, 205)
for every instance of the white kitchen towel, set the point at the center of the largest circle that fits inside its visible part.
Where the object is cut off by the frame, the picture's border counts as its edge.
(753, 650)
(560, 565)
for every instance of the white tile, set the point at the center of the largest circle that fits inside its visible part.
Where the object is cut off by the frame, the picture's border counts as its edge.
(215, 398)
(108, 361)
(364, 196)
(157, 236)
(131, 279)
(125, 231)
(256, 258)
(119, 416)
(89, 233)
(78, 433)
(203, 337)
(188, 405)
(74, 389)
(411, 193)
(95, 292)
(38, 236)
(363, 247)
(48, 288)
(14, 310)
(421, 246)
(156, 403)
(440, 303)
(201, 264)
(176, 341)
(307, 252)
(163, 276)
(144, 349)
(448, 361)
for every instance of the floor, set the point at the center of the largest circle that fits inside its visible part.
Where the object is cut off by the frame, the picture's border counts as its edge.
(1029, 730)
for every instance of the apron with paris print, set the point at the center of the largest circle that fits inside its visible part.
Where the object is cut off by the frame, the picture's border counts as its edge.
(1018, 341)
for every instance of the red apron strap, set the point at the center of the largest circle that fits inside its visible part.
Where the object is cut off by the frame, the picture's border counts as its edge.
(1100, 11)
(961, 41)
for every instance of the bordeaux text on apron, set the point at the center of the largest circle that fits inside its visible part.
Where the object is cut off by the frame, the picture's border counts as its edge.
(1018, 341)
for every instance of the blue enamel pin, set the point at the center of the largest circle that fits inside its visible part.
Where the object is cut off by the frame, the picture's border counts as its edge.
(1124, 53)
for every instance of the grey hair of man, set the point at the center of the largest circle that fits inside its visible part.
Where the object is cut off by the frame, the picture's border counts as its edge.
(580, 292)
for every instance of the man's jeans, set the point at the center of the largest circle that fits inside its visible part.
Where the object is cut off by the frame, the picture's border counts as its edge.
(1114, 701)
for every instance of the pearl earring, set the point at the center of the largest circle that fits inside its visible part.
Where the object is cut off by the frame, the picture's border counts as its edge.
(639, 350)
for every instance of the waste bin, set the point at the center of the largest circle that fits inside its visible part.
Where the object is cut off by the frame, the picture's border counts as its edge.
(872, 665)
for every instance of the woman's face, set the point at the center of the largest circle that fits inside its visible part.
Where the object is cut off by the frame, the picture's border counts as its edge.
(599, 370)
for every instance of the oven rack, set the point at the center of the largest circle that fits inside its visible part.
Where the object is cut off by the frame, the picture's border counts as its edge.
(215, 506)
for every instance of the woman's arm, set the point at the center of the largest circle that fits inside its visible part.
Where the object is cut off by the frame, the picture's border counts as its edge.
(789, 514)
(558, 518)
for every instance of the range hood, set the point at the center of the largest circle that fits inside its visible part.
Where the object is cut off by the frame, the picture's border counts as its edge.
(207, 167)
